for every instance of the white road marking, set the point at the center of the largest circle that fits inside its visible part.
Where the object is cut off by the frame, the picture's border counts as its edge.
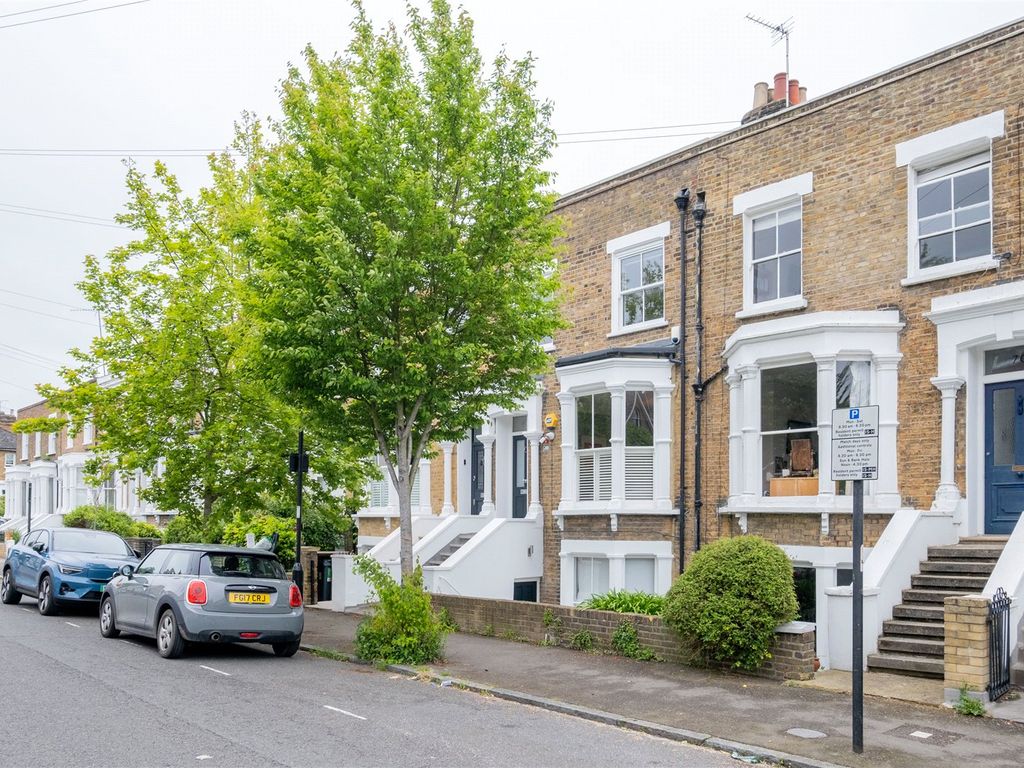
(76, 626)
(344, 712)
(204, 757)
(921, 734)
(226, 674)
(28, 610)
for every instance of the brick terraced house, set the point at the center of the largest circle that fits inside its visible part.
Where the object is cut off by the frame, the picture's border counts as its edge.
(47, 478)
(860, 248)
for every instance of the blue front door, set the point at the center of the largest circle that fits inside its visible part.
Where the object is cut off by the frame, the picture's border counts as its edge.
(1004, 455)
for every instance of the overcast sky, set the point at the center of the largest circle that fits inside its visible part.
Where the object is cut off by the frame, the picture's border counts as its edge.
(167, 78)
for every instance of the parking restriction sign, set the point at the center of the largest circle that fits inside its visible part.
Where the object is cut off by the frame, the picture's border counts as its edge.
(855, 443)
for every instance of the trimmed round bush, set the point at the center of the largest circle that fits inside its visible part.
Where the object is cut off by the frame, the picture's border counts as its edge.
(731, 598)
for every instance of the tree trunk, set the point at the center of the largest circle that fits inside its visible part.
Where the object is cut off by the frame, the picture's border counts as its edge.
(207, 503)
(404, 488)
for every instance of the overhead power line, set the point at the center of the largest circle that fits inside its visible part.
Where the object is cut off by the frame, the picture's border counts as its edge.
(17, 386)
(40, 298)
(43, 8)
(28, 354)
(47, 314)
(69, 15)
(59, 213)
(648, 128)
(63, 218)
(637, 138)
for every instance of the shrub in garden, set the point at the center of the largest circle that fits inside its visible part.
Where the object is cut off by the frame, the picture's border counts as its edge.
(100, 519)
(403, 628)
(731, 598)
(260, 526)
(143, 530)
(188, 528)
(623, 601)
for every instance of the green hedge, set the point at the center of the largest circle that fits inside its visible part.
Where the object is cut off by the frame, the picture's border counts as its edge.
(104, 519)
(731, 598)
(262, 525)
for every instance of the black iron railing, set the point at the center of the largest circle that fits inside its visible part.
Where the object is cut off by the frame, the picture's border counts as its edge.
(998, 645)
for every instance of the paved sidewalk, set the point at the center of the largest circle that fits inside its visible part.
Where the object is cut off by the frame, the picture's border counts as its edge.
(699, 705)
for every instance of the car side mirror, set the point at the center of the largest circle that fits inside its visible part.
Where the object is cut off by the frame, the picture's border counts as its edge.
(127, 570)
(137, 553)
(38, 546)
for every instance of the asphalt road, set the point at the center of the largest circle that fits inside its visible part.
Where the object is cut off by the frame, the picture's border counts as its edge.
(70, 698)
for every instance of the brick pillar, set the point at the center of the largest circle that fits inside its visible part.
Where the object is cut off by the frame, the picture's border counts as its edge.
(309, 574)
(966, 646)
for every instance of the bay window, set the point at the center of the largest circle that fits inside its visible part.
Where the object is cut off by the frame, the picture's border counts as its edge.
(789, 430)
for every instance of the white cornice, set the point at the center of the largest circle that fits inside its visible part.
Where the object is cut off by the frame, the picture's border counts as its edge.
(982, 302)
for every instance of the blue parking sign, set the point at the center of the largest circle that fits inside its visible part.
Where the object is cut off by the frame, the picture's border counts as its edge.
(855, 413)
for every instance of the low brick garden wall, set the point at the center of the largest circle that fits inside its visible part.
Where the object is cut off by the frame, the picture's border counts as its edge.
(792, 657)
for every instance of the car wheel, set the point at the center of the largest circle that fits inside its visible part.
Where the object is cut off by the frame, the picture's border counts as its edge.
(8, 594)
(107, 626)
(169, 642)
(286, 649)
(47, 605)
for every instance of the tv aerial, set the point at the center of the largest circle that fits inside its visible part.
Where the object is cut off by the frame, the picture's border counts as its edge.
(779, 32)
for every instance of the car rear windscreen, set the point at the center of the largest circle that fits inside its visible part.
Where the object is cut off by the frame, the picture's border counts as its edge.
(230, 564)
(92, 542)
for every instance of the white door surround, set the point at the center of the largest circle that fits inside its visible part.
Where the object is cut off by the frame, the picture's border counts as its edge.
(967, 325)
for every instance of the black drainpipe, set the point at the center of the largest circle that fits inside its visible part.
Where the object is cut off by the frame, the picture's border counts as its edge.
(682, 203)
(699, 212)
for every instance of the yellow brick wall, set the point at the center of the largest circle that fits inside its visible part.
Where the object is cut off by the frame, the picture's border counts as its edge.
(854, 256)
(966, 642)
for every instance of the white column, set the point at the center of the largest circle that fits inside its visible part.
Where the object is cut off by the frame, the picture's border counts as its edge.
(424, 501)
(735, 382)
(887, 487)
(752, 482)
(947, 495)
(663, 447)
(447, 508)
(503, 465)
(569, 492)
(618, 441)
(535, 509)
(487, 440)
(826, 402)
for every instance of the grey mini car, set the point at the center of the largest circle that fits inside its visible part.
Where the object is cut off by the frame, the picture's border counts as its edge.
(205, 593)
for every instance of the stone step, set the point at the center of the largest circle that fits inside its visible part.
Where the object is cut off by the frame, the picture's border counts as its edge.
(930, 595)
(907, 628)
(449, 549)
(953, 582)
(920, 612)
(966, 552)
(964, 567)
(911, 646)
(920, 666)
(988, 538)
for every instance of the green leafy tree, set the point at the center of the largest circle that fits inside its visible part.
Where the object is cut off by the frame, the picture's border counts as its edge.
(168, 383)
(405, 258)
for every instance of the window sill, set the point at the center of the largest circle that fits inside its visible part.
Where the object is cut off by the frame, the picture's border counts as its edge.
(965, 267)
(548, 347)
(773, 307)
(661, 323)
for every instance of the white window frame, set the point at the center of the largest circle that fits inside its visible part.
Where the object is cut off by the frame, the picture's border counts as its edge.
(925, 158)
(616, 552)
(577, 597)
(754, 204)
(39, 444)
(24, 446)
(622, 248)
(823, 338)
(88, 433)
(9, 459)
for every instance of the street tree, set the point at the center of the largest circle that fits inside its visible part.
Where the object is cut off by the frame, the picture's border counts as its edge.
(405, 258)
(167, 383)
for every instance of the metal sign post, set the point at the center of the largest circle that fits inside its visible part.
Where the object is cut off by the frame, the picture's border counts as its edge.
(855, 457)
(299, 464)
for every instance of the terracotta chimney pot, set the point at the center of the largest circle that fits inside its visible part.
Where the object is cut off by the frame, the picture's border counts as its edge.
(803, 94)
(794, 92)
(780, 86)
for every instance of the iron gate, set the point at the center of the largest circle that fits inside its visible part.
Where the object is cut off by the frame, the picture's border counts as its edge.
(998, 645)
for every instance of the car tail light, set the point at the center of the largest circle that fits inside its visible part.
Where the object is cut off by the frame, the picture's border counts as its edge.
(196, 594)
(294, 597)
(248, 635)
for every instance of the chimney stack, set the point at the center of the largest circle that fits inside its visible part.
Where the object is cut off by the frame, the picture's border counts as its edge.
(767, 101)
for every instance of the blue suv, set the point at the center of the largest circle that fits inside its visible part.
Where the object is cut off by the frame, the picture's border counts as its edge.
(63, 565)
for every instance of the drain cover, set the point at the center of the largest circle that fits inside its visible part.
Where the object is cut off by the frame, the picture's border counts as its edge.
(926, 734)
(806, 733)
